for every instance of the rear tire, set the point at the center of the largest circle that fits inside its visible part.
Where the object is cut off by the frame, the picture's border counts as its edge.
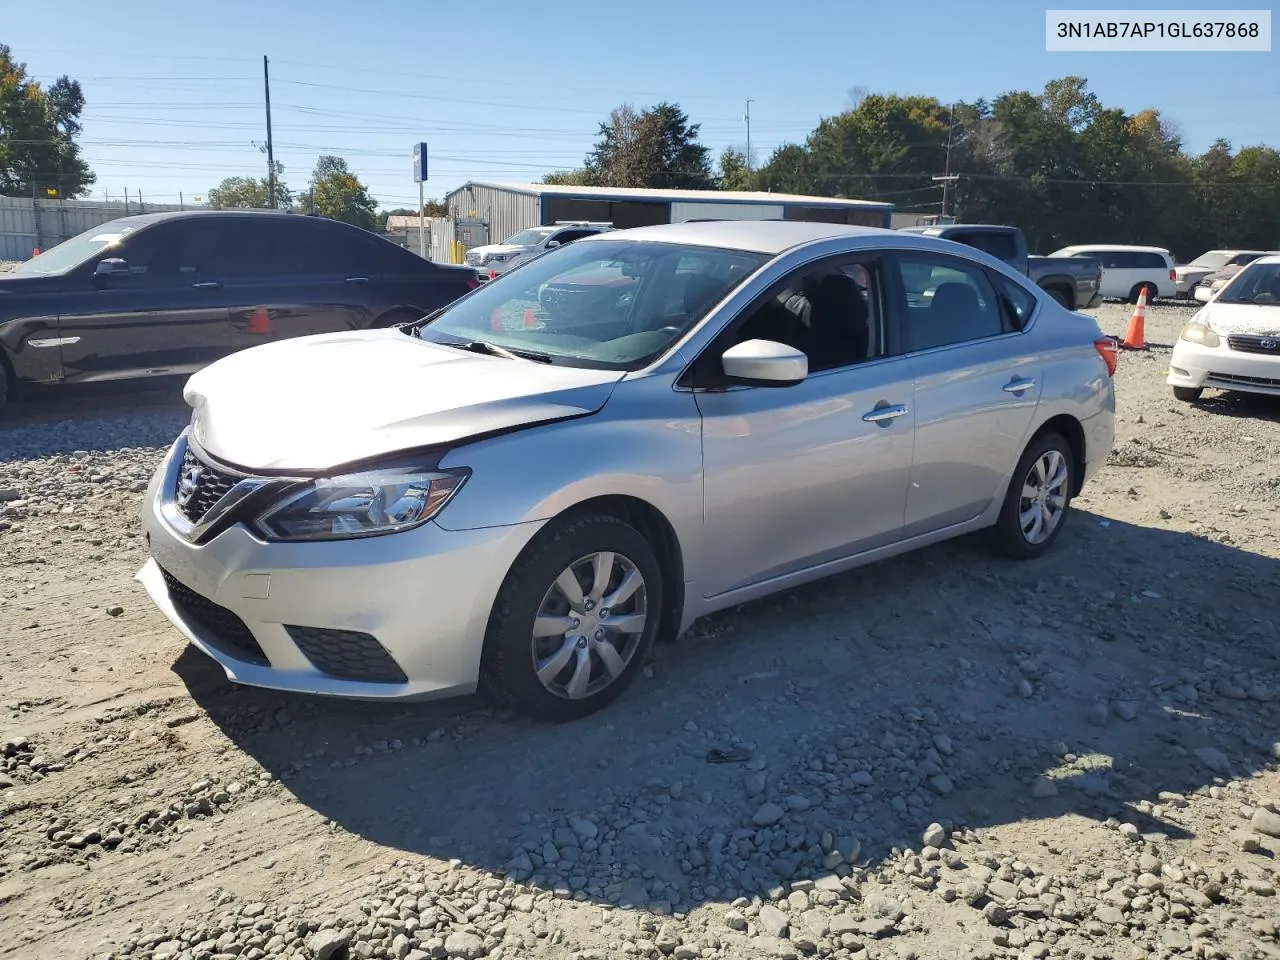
(561, 674)
(1059, 297)
(1187, 394)
(1136, 292)
(1030, 521)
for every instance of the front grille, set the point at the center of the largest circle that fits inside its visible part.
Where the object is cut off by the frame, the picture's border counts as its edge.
(1227, 379)
(347, 654)
(1250, 344)
(200, 486)
(221, 628)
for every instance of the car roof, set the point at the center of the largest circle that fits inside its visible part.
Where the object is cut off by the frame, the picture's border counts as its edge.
(1268, 259)
(146, 219)
(1115, 246)
(756, 236)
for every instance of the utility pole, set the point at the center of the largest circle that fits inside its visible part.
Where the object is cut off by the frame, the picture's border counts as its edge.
(747, 118)
(271, 160)
(948, 179)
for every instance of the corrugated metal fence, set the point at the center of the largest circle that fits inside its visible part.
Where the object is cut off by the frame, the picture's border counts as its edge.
(26, 224)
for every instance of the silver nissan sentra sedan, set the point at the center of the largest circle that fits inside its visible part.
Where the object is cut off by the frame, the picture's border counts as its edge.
(524, 490)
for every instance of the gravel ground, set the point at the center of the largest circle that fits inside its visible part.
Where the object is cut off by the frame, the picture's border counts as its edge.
(945, 755)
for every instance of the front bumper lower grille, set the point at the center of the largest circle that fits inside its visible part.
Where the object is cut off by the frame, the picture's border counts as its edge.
(222, 628)
(347, 654)
(1227, 380)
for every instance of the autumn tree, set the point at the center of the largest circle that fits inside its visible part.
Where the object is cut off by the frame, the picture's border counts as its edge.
(39, 155)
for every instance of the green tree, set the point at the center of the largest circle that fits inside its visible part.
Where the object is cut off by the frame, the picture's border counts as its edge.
(338, 194)
(734, 172)
(657, 147)
(570, 178)
(38, 150)
(246, 193)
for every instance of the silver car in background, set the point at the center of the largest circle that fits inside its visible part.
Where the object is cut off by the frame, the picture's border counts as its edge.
(525, 490)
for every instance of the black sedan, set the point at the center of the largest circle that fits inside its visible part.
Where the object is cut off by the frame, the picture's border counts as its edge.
(168, 293)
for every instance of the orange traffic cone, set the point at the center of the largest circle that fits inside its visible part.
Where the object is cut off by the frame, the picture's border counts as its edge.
(493, 273)
(259, 321)
(35, 252)
(530, 321)
(1136, 336)
(495, 319)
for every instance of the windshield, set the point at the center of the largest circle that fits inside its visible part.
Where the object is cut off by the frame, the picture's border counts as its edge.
(527, 238)
(1257, 283)
(605, 304)
(1212, 260)
(71, 253)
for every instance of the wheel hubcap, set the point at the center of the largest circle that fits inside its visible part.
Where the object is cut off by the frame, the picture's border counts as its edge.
(589, 625)
(1044, 497)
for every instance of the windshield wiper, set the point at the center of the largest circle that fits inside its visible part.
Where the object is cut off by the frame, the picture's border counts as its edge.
(493, 350)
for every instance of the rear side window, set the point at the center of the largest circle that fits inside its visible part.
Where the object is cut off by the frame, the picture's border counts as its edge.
(949, 301)
(1002, 246)
(1131, 260)
(1016, 301)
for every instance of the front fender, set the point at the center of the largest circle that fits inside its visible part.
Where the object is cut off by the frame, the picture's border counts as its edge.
(645, 443)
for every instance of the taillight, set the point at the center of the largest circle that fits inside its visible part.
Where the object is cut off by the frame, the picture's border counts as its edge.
(1173, 274)
(473, 282)
(1109, 353)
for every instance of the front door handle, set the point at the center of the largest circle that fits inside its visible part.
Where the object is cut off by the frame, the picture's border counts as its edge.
(207, 285)
(1019, 385)
(357, 279)
(882, 414)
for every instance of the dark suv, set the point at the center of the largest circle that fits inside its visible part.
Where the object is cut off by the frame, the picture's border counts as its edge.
(168, 293)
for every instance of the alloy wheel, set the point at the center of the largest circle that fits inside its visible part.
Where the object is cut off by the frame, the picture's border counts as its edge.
(1044, 497)
(589, 625)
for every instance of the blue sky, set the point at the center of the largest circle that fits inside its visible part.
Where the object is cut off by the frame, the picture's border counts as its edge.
(511, 89)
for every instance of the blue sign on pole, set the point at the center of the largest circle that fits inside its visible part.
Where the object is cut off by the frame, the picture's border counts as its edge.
(419, 162)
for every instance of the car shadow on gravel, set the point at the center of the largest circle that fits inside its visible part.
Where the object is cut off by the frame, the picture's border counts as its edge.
(1128, 669)
(1246, 406)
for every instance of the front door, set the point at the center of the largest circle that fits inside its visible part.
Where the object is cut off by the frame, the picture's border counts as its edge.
(296, 276)
(163, 316)
(798, 476)
(976, 386)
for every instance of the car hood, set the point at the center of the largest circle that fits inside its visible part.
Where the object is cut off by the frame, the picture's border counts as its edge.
(1261, 320)
(313, 403)
(500, 248)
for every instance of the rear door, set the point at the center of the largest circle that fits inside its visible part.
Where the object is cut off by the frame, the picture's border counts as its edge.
(293, 276)
(167, 315)
(977, 384)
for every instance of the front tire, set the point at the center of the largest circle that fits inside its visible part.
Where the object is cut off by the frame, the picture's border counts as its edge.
(1187, 394)
(1038, 500)
(574, 619)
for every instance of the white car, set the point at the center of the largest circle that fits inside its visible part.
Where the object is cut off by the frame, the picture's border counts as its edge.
(494, 259)
(1233, 341)
(1126, 270)
(1188, 275)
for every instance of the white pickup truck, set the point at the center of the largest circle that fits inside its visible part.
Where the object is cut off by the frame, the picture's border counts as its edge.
(493, 259)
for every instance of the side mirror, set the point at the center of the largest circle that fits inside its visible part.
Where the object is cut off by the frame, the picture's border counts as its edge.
(111, 267)
(552, 244)
(764, 363)
(1202, 293)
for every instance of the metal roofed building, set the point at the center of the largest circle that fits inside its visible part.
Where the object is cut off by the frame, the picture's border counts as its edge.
(500, 209)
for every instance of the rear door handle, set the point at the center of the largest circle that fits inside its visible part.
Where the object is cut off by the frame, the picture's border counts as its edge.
(882, 414)
(1019, 385)
(357, 279)
(207, 285)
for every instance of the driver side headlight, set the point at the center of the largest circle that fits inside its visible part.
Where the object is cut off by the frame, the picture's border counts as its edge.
(361, 505)
(1197, 332)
